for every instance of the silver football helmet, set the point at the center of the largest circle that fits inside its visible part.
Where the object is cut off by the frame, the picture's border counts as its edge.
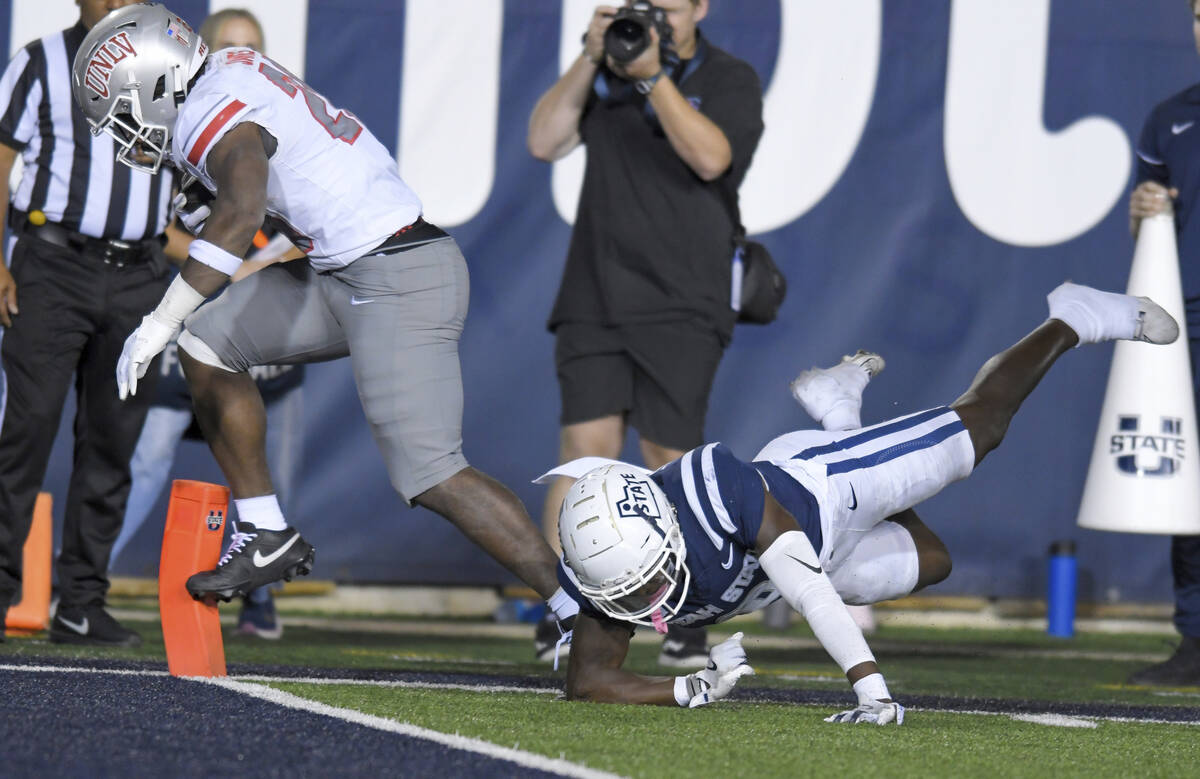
(621, 540)
(131, 74)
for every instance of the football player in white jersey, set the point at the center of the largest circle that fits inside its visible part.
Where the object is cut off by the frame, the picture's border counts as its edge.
(381, 285)
(709, 536)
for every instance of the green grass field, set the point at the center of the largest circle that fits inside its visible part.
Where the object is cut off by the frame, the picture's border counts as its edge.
(750, 738)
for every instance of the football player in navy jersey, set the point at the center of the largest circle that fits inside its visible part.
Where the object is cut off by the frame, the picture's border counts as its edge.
(709, 536)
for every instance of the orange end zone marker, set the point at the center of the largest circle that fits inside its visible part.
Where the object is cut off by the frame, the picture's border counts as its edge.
(33, 612)
(191, 543)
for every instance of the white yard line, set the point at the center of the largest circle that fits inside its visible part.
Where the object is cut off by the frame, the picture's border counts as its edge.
(512, 755)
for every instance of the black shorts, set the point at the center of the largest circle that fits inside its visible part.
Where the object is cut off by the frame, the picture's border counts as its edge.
(658, 375)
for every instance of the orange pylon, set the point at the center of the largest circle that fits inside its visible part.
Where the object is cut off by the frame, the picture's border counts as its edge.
(191, 543)
(32, 613)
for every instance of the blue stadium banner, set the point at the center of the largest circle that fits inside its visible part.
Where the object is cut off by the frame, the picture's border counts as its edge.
(928, 172)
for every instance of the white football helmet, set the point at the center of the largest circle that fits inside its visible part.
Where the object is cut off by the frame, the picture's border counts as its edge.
(130, 75)
(621, 539)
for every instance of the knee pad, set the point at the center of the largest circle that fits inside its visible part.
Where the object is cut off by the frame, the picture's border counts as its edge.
(882, 566)
(201, 352)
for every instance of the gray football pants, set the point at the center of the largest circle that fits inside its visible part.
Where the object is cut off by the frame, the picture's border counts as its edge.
(398, 316)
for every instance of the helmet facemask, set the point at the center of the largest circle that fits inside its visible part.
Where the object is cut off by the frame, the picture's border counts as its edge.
(662, 584)
(140, 145)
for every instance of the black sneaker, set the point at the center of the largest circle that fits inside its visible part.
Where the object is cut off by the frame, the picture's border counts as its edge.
(255, 558)
(90, 625)
(546, 637)
(1181, 669)
(684, 648)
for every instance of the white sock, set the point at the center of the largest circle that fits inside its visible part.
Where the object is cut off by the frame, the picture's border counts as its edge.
(843, 416)
(1094, 315)
(263, 512)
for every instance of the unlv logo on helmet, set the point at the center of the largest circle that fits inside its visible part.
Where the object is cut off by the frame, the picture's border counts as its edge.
(100, 66)
(216, 519)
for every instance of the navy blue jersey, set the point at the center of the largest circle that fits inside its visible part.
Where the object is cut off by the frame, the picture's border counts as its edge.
(718, 500)
(1169, 152)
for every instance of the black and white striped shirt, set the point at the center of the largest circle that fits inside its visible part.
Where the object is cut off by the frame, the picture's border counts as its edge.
(69, 174)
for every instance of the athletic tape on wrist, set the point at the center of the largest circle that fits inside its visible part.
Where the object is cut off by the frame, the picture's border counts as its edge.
(214, 257)
(872, 688)
(177, 302)
(682, 695)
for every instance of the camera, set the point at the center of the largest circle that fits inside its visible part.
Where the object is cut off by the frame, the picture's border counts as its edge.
(629, 33)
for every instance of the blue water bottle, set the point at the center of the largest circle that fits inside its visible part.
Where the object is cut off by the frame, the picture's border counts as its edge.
(1060, 590)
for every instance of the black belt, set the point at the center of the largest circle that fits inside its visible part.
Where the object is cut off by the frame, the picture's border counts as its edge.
(111, 251)
(409, 237)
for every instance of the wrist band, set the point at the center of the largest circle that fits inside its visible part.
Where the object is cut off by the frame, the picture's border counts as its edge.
(682, 694)
(214, 257)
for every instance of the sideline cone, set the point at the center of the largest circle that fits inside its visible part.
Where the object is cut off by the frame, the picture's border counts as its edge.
(1144, 475)
(32, 613)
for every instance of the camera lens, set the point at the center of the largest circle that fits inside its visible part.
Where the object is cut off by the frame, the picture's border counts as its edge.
(625, 39)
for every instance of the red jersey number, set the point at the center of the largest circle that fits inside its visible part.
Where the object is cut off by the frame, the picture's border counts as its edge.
(343, 127)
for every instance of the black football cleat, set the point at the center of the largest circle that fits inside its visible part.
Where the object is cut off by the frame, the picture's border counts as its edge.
(255, 558)
(1181, 669)
(90, 625)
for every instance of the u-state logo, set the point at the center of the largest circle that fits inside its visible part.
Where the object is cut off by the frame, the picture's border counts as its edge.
(1154, 453)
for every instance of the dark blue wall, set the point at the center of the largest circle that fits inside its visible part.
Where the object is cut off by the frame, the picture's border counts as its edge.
(886, 260)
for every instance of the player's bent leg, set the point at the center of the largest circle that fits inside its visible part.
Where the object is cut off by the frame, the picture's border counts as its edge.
(833, 396)
(933, 558)
(1078, 315)
(883, 565)
(231, 414)
(491, 516)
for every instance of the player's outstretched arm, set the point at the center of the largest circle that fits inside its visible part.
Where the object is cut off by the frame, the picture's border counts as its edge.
(793, 566)
(594, 673)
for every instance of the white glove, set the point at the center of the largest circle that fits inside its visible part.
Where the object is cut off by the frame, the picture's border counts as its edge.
(876, 712)
(142, 346)
(726, 665)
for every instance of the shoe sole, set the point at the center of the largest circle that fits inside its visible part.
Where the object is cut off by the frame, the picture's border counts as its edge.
(1163, 329)
(211, 597)
(75, 638)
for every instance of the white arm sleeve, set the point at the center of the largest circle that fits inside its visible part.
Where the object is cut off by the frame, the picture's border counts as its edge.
(792, 565)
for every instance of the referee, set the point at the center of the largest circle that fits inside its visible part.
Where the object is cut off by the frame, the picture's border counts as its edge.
(85, 240)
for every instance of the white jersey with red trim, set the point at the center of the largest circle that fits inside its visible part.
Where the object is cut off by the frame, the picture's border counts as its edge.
(330, 180)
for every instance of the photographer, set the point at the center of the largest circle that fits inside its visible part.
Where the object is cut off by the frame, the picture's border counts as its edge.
(643, 311)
